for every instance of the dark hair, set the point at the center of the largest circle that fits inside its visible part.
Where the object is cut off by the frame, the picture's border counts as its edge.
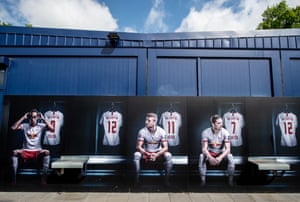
(32, 111)
(214, 118)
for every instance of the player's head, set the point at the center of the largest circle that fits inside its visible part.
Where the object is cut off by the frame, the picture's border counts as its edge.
(33, 116)
(151, 120)
(216, 122)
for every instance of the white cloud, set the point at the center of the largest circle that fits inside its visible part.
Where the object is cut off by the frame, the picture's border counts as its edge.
(74, 14)
(155, 20)
(130, 29)
(213, 16)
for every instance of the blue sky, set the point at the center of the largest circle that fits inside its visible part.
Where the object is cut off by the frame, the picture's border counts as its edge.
(141, 16)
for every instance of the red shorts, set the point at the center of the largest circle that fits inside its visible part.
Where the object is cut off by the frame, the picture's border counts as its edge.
(26, 155)
(213, 154)
(146, 157)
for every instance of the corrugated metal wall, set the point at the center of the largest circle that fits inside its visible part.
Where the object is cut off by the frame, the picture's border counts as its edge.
(72, 62)
(72, 76)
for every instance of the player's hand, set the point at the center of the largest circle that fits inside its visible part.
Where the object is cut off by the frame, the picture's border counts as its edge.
(146, 153)
(41, 116)
(153, 156)
(218, 160)
(212, 161)
(26, 115)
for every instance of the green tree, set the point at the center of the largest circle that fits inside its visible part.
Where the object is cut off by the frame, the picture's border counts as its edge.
(280, 16)
(4, 23)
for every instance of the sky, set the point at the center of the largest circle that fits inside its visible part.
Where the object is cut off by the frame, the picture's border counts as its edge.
(139, 16)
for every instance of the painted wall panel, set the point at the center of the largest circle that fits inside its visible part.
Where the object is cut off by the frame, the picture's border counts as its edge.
(291, 72)
(217, 73)
(260, 78)
(235, 77)
(173, 77)
(224, 77)
(73, 76)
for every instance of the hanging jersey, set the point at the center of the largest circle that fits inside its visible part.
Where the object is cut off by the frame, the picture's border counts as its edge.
(112, 121)
(152, 141)
(33, 135)
(288, 123)
(171, 122)
(234, 122)
(56, 119)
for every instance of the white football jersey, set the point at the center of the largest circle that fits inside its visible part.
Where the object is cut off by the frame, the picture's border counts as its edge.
(171, 122)
(152, 141)
(56, 118)
(112, 121)
(288, 123)
(234, 122)
(33, 135)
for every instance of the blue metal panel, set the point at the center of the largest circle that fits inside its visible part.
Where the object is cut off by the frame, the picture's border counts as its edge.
(58, 37)
(35, 40)
(291, 72)
(251, 43)
(292, 42)
(217, 43)
(259, 43)
(225, 77)
(11, 39)
(209, 43)
(201, 43)
(283, 42)
(267, 42)
(138, 81)
(52, 41)
(173, 77)
(298, 42)
(44, 40)
(275, 42)
(226, 43)
(72, 76)
(230, 67)
(260, 78)
(235, 43)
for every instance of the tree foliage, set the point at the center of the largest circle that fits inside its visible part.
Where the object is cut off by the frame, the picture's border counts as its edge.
(280, 16)
(4, 23)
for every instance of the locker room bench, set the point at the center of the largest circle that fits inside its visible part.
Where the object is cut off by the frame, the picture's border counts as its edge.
(275, 165)
(269, 163)
(70, 162)
(240, 162)
(89, 163)
(264, 169)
